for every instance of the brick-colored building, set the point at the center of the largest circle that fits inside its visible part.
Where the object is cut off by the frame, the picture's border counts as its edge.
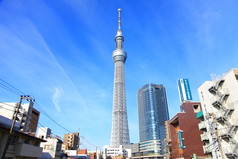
(35, 115)
(183, 135)
(71, 141)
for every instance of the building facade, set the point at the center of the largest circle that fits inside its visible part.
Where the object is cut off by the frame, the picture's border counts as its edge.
(120, 130)
(116, 153)
(21, 145)
(184, 90)
(152, 112)
(219, 115)
(28, 116)
(35, 115)
(52, 146)
(183, 135)
(71, 141)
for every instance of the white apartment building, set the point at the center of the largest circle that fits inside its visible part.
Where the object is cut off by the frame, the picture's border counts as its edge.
(219, 116)
(116, 152)
(7, 110)
(52, 146)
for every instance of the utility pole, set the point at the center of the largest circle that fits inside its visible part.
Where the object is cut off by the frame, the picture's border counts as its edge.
(77, 146)
(13, 124)
(96, 153)
(218, 139)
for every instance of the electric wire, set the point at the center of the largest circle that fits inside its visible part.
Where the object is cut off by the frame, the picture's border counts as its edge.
(51, 118)
(8, 89)
(20, 92)
(16, 91)
(52, 134)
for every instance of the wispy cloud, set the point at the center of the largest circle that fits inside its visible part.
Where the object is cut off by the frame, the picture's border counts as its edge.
(56, 97)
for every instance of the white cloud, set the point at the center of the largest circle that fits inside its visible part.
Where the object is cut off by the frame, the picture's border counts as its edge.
(56, 97)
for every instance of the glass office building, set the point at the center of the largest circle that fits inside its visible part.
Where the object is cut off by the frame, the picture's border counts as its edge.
(152, 112)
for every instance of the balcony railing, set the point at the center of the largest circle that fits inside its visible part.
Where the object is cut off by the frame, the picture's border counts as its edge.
(207, 149)
(204, 137)
(202, 125)
(213, 89)
(228, 133)
(231, 151)
(221, 118)
(218, 101)
(230, 109)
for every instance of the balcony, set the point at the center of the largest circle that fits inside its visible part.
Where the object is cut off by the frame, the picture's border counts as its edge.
(227, 134)
(207, 149)
(219, 101)
(213, 89)
(28, 150)
(217, 104)
(219, 83)
(221, 118)
(220, 98)
(231, 151)
(230, 110)
(204, 137)
(202, 125)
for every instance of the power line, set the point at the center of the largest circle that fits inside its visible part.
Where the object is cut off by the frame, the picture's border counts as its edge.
(16, 91)
(8, 89)
(32, 122)
(52, 134)
(44, 114)
(51, 118)
(20, 92)
(88, 141)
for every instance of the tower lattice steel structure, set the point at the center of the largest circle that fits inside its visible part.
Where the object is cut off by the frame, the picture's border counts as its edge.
(120, 131)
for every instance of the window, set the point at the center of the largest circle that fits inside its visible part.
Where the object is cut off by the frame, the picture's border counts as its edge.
(196, 108)
(41, 136)
(182, 108)
(47, 147)
(236, 75)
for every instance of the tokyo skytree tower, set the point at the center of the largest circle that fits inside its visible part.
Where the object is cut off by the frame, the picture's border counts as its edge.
(120, 131)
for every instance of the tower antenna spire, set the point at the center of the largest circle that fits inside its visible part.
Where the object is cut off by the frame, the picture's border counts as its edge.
(119, 18)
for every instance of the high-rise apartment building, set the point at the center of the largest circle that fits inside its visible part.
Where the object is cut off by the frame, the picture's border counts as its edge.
(120, 130)
(184, 90)
(71, 141)
(152, 112)
(219, 115)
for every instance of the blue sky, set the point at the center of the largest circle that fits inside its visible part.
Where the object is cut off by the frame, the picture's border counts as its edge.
(60, 53)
